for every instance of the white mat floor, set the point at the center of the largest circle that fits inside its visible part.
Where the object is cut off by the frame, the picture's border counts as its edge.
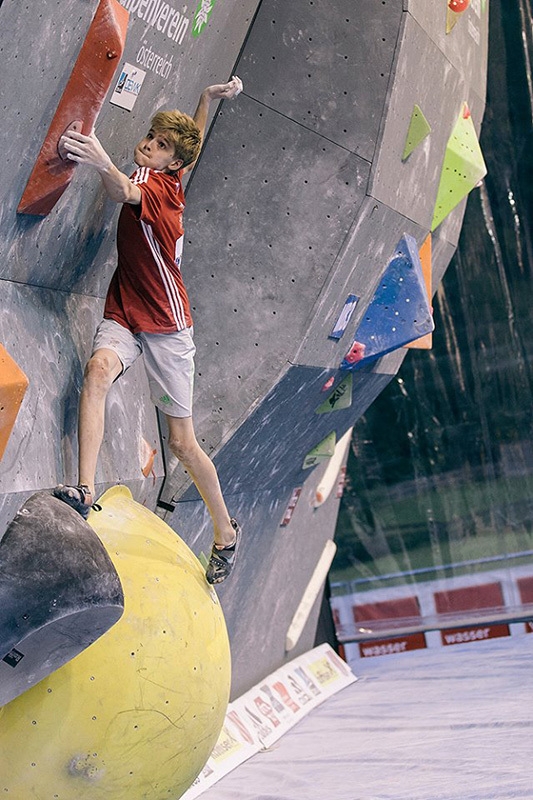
(450, 724)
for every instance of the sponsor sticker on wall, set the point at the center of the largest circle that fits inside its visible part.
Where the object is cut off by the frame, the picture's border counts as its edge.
(201, 17)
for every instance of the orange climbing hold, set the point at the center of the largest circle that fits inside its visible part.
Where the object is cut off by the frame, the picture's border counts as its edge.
(147, 454)
(425, 342)
(13, 385)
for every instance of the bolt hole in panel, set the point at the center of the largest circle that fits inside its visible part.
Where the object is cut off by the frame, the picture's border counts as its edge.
(79, 106)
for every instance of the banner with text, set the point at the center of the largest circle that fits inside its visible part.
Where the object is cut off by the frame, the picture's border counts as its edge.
(262, 715)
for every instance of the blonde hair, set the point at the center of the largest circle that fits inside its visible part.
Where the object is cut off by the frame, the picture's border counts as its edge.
(181, 131)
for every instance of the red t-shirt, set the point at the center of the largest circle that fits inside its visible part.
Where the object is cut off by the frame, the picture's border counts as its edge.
(147, 292)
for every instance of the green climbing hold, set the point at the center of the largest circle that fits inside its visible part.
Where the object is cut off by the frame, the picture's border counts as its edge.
(322, 451)
(340, 397)
(419, 128)
(462, 169)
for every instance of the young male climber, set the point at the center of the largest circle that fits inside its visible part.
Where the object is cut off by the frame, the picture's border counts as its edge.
(147, 309)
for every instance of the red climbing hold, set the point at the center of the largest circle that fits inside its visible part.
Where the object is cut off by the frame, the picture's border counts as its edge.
(355, 353)
(458, 5)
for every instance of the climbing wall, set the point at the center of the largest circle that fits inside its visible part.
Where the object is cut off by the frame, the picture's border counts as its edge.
(56, 262)
(305, 217)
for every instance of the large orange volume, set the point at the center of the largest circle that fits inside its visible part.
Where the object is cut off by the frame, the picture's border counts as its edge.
(13, 385)
(79, 106)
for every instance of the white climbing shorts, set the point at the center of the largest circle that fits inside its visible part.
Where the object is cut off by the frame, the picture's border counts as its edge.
(168, 361)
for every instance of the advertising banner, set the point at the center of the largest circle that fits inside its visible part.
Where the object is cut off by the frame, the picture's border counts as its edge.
(262, 715)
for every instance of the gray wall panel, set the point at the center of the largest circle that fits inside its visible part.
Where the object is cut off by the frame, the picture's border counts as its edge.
(466, 46)
(40, 43)
(410, 187)
(35, 329)
(274, 567)
(49, 335)
(325, 65)
(197, 61)
(442, 252)
(267, 214)
(268, 450)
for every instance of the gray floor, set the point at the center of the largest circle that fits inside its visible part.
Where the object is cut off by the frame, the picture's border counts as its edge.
(450, 724)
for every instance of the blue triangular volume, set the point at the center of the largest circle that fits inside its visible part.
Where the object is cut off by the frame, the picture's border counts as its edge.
(398, 313)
